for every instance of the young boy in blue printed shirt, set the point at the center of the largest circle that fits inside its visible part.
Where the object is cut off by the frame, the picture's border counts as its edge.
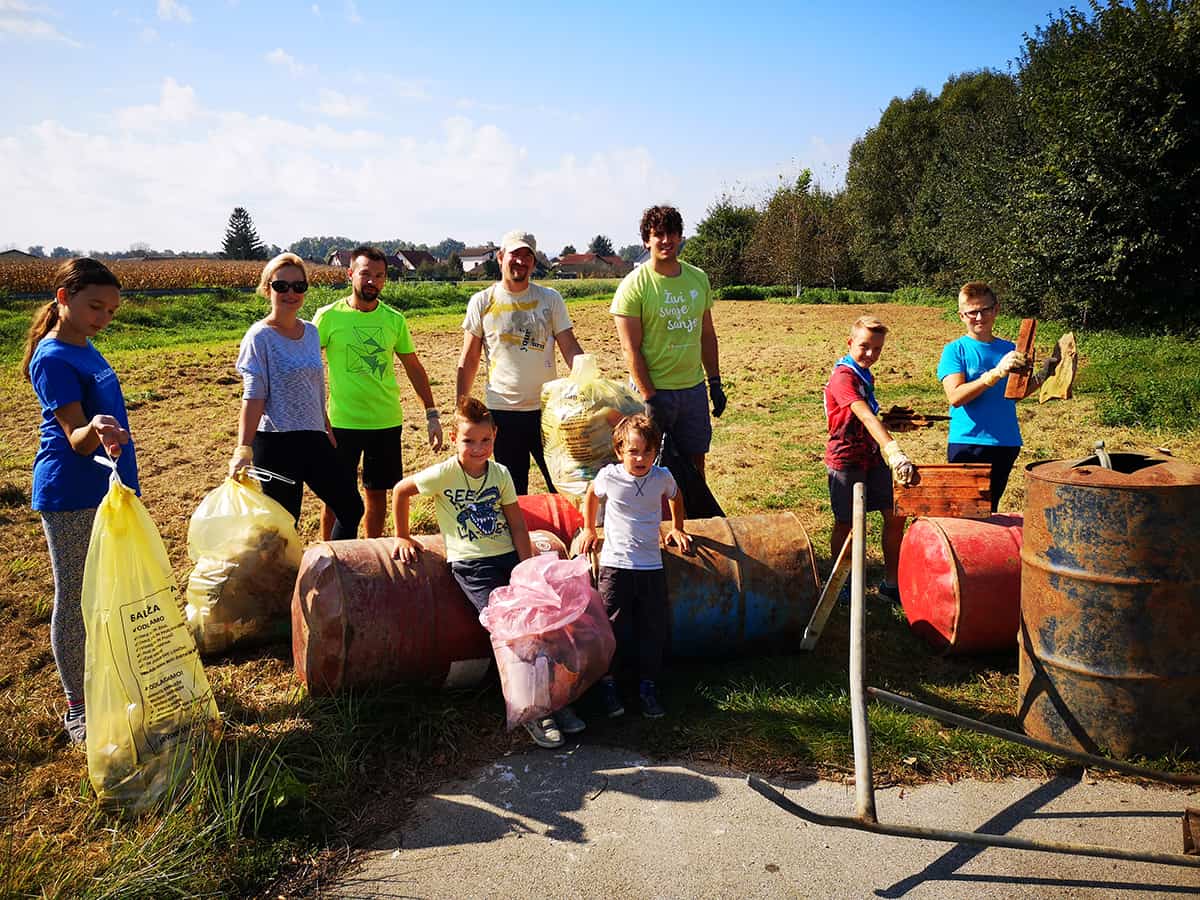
(631, 579)
(853, 452)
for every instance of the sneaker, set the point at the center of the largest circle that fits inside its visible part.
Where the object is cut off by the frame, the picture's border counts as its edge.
(651, 708)
(76, 728)
(545, 732)
(568, 722)
(611, 698)
(889, 593)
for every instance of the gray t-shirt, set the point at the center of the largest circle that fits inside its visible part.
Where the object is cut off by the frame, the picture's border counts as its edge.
(632, 514)
(288, 374)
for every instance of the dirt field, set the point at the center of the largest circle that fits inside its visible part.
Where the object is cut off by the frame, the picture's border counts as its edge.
(183, 410)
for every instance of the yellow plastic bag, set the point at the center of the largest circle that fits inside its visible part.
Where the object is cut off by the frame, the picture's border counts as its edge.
(247, 556)
(578, 415)
(144, 685)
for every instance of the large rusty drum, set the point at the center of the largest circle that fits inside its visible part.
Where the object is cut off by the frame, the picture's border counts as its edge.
(960, 582)
(361, 618)
(749, 585)
(1110, 605)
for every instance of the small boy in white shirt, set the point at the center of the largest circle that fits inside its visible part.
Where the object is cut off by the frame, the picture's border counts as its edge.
(631, 580)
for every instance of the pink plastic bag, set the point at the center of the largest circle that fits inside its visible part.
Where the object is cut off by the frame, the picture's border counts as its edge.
(550, 634)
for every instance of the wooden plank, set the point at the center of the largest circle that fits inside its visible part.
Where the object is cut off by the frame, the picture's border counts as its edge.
(1018, 384)
(958, 490)
(833, 587)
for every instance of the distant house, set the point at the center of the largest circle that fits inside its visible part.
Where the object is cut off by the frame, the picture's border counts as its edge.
(474, 257)
(340, 258)
(643, 257)
(411, 260)
(16, 255)
(590, 265)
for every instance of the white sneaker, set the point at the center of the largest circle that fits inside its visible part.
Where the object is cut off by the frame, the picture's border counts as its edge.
(545, 732)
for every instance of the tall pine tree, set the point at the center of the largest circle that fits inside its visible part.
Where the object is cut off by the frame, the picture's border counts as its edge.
(241, 240)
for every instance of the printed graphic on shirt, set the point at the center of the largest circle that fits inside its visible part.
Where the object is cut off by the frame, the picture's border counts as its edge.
(681, 313)
(527, 328)
(367, 353)
(479, 513)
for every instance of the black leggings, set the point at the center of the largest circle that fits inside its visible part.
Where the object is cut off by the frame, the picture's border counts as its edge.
(518, 435)
(1001, 458)
(636, 600)
(307, 457)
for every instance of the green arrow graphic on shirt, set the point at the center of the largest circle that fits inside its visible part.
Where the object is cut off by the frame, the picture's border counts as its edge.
(367, 354)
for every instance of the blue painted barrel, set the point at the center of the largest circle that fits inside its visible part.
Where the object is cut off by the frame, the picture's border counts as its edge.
(749, 585)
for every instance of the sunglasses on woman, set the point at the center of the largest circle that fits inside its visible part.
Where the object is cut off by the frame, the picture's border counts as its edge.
(297, 287)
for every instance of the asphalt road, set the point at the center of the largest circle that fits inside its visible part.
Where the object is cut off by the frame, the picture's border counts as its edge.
(589, 821)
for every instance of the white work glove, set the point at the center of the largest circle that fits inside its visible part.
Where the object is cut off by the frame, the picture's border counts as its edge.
(433, 426)
(243, 458)
(902, 468)
(1012, 361)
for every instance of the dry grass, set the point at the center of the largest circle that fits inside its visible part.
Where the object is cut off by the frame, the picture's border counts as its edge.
(767, 454)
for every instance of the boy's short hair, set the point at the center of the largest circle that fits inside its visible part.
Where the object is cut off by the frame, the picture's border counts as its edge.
(975, 290)
(471, 411)
(868, 323)
(638, 423)
(663, 219)
(372, 253)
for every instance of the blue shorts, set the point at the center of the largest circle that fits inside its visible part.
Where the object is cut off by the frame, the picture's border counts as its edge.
(841, 490)
(479, 577)
(685, 413)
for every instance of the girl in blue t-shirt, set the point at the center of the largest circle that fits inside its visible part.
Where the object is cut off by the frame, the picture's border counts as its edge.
(83, 410)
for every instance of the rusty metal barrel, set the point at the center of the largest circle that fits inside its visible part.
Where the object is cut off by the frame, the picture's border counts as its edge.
(749, 585)
(960, 582)
(1110, 605)
(361, 618)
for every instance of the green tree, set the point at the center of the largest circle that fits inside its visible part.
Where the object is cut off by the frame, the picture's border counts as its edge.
(884, 176)
(448, 247)
(454, 263)
(491, 269)
(630, 252)
(721, 242)
(568, 249)
(1106, 209)
(62, 253)
(601, 246)
(241, 240)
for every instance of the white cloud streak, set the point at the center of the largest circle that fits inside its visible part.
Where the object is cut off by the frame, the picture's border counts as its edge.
(26, 22)
(173, 11)
(280, 57)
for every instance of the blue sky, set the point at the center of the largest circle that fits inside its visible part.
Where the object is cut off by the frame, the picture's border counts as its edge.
(149, 121)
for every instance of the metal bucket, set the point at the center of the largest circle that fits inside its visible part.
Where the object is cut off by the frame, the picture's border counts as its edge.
(960, 582)
(551, 512)
(1110, 605)
(749, 585)
(361, 618)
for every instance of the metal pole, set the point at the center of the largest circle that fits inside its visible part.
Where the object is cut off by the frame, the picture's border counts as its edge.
(976, 838)
(1088, 759)
(864, 787)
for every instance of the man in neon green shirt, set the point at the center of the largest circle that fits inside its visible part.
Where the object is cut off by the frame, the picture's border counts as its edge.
(359, 335)
(663, 313)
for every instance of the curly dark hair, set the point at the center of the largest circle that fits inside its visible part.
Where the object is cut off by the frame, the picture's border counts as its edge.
(663, 219)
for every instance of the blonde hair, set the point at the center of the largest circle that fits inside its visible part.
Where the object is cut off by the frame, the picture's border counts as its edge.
(975, 290)
(71, 276)
(868, 323)
(274, 265)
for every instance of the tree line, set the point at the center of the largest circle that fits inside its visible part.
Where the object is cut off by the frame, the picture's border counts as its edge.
(1071, 184)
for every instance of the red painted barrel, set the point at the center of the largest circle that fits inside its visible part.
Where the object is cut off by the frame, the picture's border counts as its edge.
(551, 512)
(361, 618)
(960, 582)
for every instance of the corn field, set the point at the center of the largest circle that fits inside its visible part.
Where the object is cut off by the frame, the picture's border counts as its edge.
(37, 275)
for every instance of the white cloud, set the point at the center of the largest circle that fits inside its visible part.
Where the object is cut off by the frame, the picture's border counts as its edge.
(27, 22)
(352, 14)
(280, 57)
(340, 106)
(175, 187)
(173, 11)
(176, 103)
(316, 10)
(148, 35)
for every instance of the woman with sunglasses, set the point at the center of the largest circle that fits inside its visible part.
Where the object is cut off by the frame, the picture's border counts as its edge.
(283, 426)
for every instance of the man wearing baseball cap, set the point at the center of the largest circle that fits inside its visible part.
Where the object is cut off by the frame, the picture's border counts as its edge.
(515, 324)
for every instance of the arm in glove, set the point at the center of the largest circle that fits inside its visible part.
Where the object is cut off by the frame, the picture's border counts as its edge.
(1012, 361)
(656, 412)
(717, 393)
(243, 458)
(902, 468)
(433, 427)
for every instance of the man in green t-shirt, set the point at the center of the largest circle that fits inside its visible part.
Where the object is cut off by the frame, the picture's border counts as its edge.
(359, 335)
(663, 313)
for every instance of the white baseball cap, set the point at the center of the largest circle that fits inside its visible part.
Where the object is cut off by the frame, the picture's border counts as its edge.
(516, 239)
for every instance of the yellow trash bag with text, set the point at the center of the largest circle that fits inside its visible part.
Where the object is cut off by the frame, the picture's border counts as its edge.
(247, 556)
(146, 693)
(578, 415)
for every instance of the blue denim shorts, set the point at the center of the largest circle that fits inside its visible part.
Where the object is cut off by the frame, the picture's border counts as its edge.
(687, 418)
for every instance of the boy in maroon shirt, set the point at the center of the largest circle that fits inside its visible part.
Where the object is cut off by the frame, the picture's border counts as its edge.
(853, 451)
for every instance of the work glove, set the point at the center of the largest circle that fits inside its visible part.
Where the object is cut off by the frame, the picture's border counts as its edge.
(433, 427)
(654, 409)
(243, 458)
(902, 468)
(717, 393)
(1012, 361)
(1048, 366)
